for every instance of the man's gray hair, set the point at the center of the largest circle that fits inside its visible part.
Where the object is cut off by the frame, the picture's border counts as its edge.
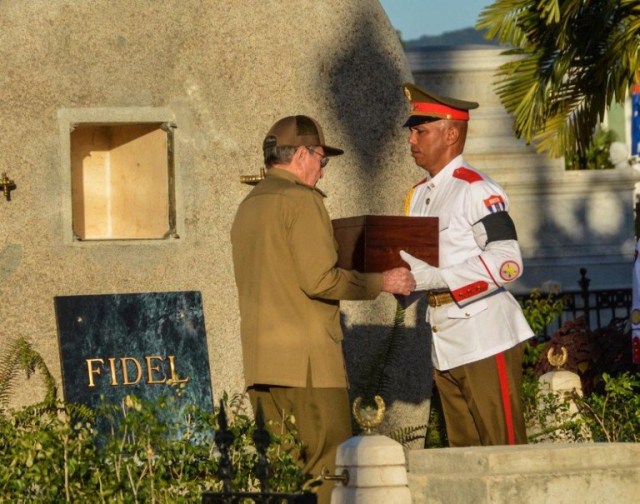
(282, 154)
(278, 155)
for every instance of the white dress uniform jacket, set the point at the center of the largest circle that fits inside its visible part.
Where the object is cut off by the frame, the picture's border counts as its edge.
(478, 255)
(635, 308)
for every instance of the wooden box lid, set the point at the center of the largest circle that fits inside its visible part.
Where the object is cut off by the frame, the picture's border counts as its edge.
(372, 243)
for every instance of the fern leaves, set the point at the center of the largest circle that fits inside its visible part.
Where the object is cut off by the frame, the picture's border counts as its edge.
(377, 381)
(21, 357)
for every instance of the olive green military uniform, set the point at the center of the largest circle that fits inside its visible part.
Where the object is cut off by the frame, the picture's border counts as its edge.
(285, 257)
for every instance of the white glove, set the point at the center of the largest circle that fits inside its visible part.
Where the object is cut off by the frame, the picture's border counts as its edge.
(427, 277)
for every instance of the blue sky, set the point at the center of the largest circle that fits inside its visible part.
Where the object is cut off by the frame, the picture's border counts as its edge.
(415, 18)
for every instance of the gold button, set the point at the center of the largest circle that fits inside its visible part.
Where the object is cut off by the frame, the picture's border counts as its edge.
(434, 329)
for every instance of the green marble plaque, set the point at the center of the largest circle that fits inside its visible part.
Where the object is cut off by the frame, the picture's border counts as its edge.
(140, 344)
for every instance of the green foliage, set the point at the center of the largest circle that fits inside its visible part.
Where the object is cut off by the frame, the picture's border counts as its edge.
(377, 382)
(610, 415)
(541, 310)
(597, 154)
(548, 416)
(21, 357)
(538, 411)
(613, 415)
(573, 59)
(49, 453)
(529, 395)
(45, 456)
(137, 451)
(436, 436)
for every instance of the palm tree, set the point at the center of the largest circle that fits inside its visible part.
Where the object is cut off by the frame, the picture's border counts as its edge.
(576, 57)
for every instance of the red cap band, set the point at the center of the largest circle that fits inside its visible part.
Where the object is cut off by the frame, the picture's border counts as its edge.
(438, 110)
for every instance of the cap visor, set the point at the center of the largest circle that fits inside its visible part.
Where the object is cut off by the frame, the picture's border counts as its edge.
(416, 120)
(332, 151)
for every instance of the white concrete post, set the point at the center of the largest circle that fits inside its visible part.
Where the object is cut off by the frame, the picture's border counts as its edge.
(560, 385)
(377, 472)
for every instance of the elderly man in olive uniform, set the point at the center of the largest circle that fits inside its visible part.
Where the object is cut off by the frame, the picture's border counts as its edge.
(477, 326)
(289, 287)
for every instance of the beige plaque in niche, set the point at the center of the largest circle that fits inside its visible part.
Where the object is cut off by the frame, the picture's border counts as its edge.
(122, 181)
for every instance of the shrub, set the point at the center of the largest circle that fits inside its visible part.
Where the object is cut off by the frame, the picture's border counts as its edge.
(541, 309)
(609, 410)
(135, 451)
(613, 415)
(49, 453)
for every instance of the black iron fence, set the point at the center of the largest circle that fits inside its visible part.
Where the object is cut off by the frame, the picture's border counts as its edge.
(262, 469)
(600, 307)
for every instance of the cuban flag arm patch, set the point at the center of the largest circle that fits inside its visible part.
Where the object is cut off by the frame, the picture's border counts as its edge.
(495, 203)
(509, 271)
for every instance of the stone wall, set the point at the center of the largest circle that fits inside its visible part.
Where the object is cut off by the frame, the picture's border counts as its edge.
(221, 72)
(589, 473)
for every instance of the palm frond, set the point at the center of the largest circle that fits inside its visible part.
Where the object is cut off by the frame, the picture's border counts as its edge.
(500, 22)
(575, 59)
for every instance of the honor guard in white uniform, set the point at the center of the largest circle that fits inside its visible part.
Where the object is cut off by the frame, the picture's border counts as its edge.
(635, 308)
(477, 326)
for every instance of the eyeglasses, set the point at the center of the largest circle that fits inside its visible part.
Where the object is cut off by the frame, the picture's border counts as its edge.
(324, 160)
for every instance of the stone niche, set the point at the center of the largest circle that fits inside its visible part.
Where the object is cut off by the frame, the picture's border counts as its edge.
(122, 181)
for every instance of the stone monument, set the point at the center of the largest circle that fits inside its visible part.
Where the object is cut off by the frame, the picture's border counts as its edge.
(128, 124)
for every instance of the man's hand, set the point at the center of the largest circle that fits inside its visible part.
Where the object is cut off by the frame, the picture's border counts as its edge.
(427, 277)
(398, 281)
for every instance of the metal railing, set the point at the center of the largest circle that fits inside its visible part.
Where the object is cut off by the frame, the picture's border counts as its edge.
(600, 307)
(262, 469)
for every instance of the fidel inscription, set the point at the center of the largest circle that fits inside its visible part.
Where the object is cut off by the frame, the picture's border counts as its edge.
(119, 344)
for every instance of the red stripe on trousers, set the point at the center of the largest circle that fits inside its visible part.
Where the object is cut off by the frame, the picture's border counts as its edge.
(506, 401)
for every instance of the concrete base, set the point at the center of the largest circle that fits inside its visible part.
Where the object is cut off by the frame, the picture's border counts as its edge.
(535, 474)
(377, 472)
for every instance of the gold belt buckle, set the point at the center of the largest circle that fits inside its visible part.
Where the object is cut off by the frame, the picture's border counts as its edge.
(439, 298)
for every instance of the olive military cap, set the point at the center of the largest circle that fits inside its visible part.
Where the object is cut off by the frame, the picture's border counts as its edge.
(299, 130)
(426, 106)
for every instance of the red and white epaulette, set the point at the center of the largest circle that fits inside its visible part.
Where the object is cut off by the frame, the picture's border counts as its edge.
(467, 175)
